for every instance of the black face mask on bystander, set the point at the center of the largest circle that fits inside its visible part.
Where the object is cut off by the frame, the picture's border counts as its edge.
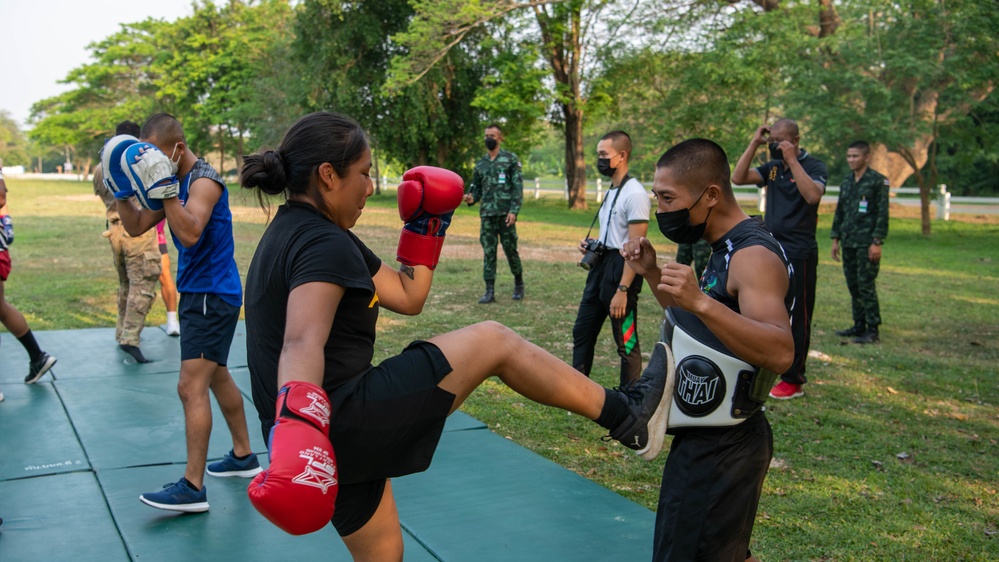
(775, 152)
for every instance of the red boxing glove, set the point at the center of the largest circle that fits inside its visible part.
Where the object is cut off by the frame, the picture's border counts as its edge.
(298, 491)
(428, 197)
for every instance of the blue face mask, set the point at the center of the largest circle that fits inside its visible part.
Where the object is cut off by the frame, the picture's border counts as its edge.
(676, 227)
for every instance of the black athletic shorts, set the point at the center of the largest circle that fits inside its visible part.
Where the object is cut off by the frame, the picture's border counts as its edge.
(385, 423)
(710, 491)
(207, 325)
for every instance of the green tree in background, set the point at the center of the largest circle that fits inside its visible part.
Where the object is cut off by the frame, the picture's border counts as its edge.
(898, 74)
(14, 148)
(569, 34)
(969, 151)
(221, 71)
(893, 72)
(220, 80)
(119, 84)
(344, 49)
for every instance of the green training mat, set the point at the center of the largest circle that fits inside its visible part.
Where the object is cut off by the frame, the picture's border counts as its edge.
(230, 530)
(139, 420)
(57, 517)
(36, 436)
(486, 498)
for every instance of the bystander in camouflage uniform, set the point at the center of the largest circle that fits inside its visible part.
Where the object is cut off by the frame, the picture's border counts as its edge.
(860, 226)
(498, 187)
(137, 260)
(697, 254)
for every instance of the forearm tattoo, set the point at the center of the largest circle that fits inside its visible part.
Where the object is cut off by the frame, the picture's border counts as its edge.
(408, 270)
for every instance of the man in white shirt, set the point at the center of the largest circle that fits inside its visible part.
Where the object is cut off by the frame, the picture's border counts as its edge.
(611, 288)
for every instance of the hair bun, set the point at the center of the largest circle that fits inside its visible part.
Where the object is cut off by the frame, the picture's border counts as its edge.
(265, 171)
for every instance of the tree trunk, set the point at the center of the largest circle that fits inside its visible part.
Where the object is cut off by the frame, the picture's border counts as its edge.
(221, 152)
(562, 34)
(899, 165)
(240, 150)
(926, 184)
(575, 164)
(378, 175)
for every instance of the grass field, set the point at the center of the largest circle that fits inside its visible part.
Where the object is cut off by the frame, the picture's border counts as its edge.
(892, 455)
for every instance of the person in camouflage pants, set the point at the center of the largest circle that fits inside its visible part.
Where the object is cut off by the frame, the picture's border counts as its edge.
(138, 262)
(859, 227)
(499, 188)
(697, 253)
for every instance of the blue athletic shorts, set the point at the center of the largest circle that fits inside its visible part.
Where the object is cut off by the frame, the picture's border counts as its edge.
(207, 325)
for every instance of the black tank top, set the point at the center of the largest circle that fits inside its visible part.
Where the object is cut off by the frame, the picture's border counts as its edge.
(750, 232)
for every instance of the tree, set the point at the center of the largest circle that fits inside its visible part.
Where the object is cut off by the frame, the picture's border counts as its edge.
(969, 151)
(221, 71)
(569, 33)
(14, 149)
(118, 85)
(220, 78)
(346, 48)
(894, 72)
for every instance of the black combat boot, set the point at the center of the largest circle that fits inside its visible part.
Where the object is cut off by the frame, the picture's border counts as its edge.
(870, 336)
(488, 296)
(858, 329)
(518, 288)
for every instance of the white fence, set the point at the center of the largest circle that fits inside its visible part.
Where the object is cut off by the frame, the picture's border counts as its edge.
(945, 203)
(537, 188)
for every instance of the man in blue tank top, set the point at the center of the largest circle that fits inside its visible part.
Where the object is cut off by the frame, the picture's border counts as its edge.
(714, 473)
(211, 296)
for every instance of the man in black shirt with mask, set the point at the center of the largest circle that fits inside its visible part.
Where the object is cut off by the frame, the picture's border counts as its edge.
(795, 182)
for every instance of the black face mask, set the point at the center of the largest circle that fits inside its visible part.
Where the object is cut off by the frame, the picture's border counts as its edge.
(775, 151)
(604, 167)
(491, 143)
(676, 227)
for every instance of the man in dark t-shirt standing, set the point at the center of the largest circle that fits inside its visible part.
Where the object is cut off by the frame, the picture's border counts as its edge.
(795, 182)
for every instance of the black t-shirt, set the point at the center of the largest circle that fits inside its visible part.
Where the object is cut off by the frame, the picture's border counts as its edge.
(750, 232)
(788, 216)
(302, 246)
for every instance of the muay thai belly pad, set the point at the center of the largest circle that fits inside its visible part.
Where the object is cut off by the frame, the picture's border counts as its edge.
(713, 387)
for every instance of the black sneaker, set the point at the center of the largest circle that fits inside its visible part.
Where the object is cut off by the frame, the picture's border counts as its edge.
(39, 368)
(645, 429)
(856, 330)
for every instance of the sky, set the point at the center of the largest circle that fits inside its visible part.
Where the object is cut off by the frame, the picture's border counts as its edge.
(42, 40)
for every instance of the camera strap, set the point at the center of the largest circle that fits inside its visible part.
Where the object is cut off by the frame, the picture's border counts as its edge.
(613, 203)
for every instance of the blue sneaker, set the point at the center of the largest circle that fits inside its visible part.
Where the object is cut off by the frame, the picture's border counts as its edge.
(230, 466)
(178, 496)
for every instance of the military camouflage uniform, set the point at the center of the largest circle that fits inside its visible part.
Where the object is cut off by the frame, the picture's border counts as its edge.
(697, 253)
(861, 216)
(138, 262)
(498, 187)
